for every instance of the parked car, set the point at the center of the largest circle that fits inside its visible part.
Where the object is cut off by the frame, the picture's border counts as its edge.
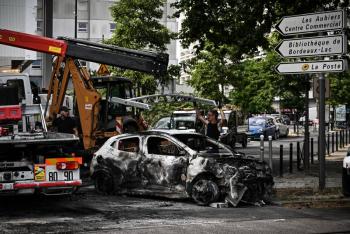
(346, 175)
(261, 125)
(177, 164)
(284, 118)
(282, 129)
(186, 123)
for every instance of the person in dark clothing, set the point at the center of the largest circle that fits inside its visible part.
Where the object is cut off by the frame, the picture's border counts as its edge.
(213, 124)
(64, 123)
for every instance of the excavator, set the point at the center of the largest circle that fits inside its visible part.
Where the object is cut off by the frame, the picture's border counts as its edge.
(100, 113)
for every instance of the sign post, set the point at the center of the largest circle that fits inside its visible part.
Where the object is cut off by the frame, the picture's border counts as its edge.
(327, 45)
(322, 133)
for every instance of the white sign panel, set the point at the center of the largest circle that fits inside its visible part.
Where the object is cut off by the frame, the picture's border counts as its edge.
(340, 113)
(311, 67)
(311, 23)
(312, 46)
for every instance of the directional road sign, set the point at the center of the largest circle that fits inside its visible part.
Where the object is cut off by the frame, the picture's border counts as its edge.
(311, 23)
(312, 67)
(312, 46)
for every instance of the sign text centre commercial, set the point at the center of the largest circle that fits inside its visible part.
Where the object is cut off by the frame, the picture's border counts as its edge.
(312, 23)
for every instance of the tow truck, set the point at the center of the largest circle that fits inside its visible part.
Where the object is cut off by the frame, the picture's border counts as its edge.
(32, 159)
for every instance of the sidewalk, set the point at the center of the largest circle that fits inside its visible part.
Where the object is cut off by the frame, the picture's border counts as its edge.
(309, 179)
(301, 189)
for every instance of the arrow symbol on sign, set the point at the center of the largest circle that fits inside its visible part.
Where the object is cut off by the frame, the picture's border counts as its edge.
(308, 23)
(312, 46)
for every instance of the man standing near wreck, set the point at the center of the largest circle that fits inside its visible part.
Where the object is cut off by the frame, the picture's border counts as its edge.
(213, 124)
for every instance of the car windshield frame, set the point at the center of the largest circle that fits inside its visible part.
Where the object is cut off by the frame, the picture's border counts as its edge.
(215, 148)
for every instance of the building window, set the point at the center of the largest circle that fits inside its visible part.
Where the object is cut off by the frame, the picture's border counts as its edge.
(112, 27)
(82, 5)
(82, 26)
(39, 26)
(36, 64)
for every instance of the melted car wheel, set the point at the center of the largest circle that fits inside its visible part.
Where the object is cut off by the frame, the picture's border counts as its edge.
(205, 191)
(104, 183)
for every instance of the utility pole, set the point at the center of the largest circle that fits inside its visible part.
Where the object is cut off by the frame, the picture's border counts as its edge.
(76, 19)
(47, 58)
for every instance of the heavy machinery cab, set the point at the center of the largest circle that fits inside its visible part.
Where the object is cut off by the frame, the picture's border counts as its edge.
(110, 87)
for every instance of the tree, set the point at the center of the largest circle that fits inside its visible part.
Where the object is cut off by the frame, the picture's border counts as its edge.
(210, 72)
(340, 86)
(241, 24)
(254, 92)
(241, 27)
(138, 27)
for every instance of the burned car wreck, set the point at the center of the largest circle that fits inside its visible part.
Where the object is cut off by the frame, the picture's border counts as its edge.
(175, 164)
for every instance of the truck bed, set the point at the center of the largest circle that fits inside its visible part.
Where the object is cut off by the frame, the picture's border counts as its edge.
(43, 138)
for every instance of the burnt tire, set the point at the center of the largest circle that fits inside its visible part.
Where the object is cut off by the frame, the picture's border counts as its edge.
(104, 183)
(205, 191)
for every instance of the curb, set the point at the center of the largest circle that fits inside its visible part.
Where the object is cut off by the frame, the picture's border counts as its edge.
(316, 203)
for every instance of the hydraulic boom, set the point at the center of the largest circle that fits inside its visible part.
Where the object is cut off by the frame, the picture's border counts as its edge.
(66, 66)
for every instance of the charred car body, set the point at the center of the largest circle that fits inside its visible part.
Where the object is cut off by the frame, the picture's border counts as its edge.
(176, 164)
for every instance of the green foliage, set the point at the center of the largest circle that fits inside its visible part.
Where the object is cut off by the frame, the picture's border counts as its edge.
(340, 86)
(255, 90)
(241, 24)
(138, 27)
(210, 72)
(235, 30)
(292, 92)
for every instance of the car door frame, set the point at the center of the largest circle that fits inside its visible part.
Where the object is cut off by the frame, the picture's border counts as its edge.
(152, 158)
(118, 154)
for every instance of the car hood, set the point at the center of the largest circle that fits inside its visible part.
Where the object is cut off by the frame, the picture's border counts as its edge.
(216, 165)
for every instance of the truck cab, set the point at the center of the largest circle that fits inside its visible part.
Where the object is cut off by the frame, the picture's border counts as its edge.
(21, 82)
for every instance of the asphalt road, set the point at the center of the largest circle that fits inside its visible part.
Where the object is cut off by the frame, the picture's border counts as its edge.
(91, 213)
(88, 212)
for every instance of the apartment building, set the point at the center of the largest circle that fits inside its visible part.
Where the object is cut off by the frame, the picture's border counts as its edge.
(95, 23)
